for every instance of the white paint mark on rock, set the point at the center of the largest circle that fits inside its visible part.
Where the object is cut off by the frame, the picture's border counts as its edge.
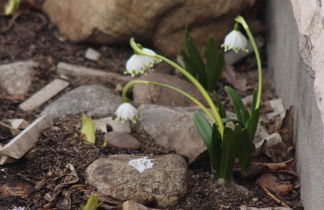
(141, 164)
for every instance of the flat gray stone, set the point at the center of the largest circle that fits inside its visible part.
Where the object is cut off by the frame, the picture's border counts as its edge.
(95, 100)
(122, 140)
(158, 179)
(153, 94)
(16, 78)
(172, 128)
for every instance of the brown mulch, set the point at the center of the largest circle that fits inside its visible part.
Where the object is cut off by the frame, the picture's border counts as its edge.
(35, 177)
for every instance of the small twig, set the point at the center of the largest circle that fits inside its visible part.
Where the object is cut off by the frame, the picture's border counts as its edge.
(273, 197)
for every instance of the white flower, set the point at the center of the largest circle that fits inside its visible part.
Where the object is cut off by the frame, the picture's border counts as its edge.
(235, 40)
(141, 63)
(126, 112)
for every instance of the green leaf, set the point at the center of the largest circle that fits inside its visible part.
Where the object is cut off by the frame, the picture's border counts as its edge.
(239, 108)
(244, 146)
(193, 59)
(92, 203)
(211, 138)
(189, 65)
(219, 104)
(252, 124)
(217, 147)
(228, 154)
(11, 7)
(203, 128)
(255, 96)
(88, 129)
(215, 64)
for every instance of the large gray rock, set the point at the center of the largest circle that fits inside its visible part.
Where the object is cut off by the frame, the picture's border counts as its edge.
(295, 49)
(159, 22)
(172, 128)
(153, 94)
(16, 78)
(95, 100)
(160, 180)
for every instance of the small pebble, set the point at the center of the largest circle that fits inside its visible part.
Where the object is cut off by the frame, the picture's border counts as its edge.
(92, 54)
(122, 140)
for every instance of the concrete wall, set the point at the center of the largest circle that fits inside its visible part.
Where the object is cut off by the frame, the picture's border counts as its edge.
(295, 60)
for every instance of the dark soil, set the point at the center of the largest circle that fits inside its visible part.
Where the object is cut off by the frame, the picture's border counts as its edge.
(33, 181)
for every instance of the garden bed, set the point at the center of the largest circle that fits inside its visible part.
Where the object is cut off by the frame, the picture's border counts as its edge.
(26, 182)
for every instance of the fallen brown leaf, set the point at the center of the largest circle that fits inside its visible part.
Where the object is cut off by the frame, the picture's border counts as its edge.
(287, 126)
(231, 77)
(16, 187)
(255, 169)
(68, 179)
(272, 183)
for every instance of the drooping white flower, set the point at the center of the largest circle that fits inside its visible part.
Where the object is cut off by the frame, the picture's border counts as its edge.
(236, 41)
(126, 112)
(141, 63)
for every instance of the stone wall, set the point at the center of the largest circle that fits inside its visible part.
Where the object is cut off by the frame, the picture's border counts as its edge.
(296, 61)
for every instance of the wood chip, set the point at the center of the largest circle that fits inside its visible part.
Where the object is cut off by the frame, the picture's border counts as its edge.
(89, 73)
(44, 95)
(25, 140)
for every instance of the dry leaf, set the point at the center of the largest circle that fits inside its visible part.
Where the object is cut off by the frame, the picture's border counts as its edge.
(53, 197)
(255, 169)
(16, 187)
(287, 126)
(238, 83)
(272, 183)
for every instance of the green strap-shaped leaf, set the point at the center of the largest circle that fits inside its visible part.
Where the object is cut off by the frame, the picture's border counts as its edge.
(193, 59)
(255, 96)
(217, 147)
(189, 65)
(228, 154)
(214, 64)
(239, 108)
(203, 127)
(210, 138)
(220, 105)
(252, 124)
(244, 146)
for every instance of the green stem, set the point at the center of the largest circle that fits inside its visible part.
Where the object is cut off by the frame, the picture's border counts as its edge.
(193, 99)
(217, 118)
(242, 21)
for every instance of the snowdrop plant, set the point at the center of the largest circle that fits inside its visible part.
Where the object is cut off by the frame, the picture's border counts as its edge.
(224, 144)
